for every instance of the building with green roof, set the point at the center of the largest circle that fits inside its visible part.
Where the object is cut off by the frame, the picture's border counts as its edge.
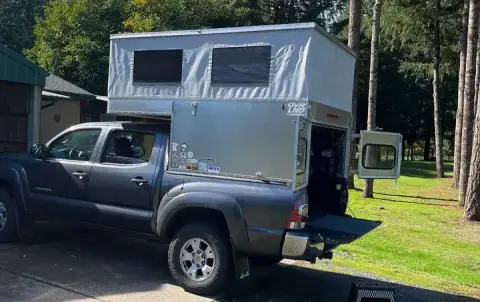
(21, 85)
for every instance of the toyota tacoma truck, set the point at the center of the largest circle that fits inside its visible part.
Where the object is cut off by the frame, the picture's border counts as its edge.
(245, 162)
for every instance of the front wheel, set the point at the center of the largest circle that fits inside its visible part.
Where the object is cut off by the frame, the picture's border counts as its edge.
(8, 222)
(200, 259)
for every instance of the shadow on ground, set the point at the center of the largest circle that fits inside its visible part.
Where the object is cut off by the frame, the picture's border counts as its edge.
(417, 197)
(416, 202)
(97, 266)
(295, 283)
(424, 169)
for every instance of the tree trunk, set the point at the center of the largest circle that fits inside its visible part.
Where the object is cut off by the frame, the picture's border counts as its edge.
(437, 117)
(472, 195)
(426, 148)
(477, 71)
(461, 82)
(372, 86)
(469, 96)
(354, 23)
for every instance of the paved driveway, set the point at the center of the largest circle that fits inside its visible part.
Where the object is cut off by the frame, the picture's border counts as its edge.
(65, 264)
(74, 265)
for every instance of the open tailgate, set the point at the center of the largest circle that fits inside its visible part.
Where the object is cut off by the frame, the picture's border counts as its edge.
(338, 230)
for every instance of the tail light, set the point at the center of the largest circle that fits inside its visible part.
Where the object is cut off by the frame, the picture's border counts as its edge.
(298, 214)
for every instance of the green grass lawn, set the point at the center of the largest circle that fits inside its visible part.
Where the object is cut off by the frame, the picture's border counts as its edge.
(423, 239)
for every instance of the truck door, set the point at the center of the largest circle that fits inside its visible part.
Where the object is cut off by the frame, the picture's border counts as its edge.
(379, 155)
(121, 181)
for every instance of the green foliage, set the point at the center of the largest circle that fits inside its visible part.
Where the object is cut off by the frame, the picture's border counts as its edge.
(73, 39)
(408, 25)
(154, 15)
(17, 19)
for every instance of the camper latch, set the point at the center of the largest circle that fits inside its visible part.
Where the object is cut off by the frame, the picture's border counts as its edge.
(194, 108)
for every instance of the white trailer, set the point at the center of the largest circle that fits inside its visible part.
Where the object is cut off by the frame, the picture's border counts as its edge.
(249, 102)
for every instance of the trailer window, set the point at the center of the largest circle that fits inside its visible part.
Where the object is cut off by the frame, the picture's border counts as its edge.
(381, 157)
(241, 65)
(158, 66)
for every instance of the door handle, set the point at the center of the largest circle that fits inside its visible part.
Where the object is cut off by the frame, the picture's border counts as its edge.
(79, 174)
(139, 181)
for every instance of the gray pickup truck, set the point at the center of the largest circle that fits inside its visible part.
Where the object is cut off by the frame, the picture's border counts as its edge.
(116, 175)
(246, 161)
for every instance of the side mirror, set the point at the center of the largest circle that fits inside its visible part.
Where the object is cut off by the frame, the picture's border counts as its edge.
(39, 151)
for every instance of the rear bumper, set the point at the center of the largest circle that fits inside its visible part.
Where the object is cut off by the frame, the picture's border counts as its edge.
(303, 245)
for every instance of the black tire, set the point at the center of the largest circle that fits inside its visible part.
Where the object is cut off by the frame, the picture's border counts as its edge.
(222, 273)
(8, 232)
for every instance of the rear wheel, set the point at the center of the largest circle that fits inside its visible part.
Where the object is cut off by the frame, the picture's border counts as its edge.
(200, 259)
(8, 223)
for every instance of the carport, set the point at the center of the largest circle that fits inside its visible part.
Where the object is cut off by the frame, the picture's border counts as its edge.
(21, 84)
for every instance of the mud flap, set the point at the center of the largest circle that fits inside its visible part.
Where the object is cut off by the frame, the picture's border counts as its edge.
(337, 230)
(241, 262)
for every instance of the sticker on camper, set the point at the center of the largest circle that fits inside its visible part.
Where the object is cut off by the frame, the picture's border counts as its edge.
(183, 155)
(213, 169)
(192, 164)
(183, 147)
(175, 160)
(174, 147)
(190, 154)
(296, 109)
(202, 166)
(183, 164)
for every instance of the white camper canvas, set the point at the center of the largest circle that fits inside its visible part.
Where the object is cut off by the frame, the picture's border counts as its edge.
(292, 62)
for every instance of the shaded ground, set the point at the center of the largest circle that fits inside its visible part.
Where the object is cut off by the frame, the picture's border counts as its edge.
(69, 265)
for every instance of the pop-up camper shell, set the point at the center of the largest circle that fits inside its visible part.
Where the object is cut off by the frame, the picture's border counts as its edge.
(248, 102)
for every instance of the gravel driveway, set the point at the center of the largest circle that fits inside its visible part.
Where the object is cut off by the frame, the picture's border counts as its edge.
(64, 264)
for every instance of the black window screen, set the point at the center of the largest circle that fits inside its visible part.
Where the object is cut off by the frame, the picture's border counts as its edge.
(241, 65)
(158, 66)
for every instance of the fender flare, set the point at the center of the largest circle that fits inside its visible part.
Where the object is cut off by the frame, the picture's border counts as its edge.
(16, 179)
(227, 205)
(13, 178)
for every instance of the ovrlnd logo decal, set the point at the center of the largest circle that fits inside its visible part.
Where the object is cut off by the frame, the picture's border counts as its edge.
(296, 109)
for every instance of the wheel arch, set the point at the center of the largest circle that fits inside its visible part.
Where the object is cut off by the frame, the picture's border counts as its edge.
(223, 210)
(11, 180)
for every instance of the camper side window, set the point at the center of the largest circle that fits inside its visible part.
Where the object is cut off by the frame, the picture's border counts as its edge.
(158, 66)
(381, 157)
(241, 65)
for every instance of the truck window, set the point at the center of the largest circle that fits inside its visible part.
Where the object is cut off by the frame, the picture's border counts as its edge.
(381, 157)
(75, 145)
(128, 148)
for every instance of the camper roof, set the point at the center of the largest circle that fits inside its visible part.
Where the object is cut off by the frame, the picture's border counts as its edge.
(231, 30)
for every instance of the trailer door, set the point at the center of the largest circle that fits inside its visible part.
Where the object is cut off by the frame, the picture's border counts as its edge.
(380, 155)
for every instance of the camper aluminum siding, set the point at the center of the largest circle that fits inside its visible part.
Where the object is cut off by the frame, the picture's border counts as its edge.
(303, 63)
